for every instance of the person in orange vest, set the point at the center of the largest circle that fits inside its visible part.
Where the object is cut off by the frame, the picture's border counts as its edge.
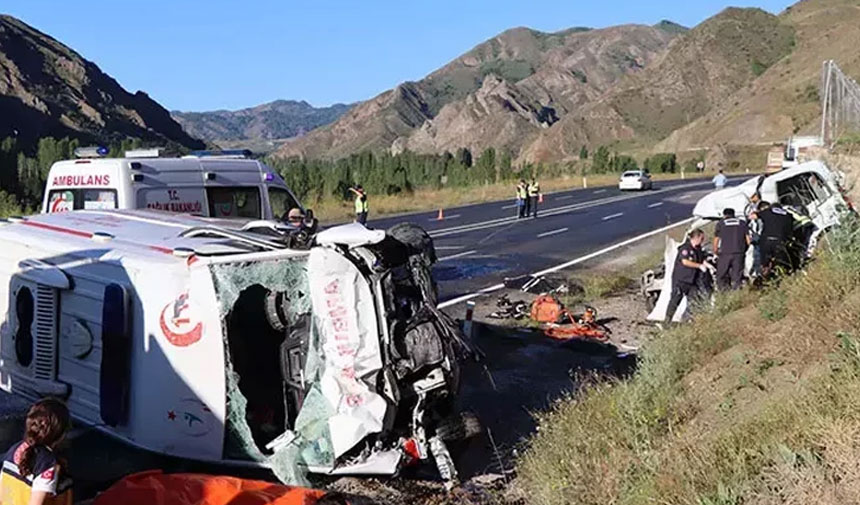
(533, 194)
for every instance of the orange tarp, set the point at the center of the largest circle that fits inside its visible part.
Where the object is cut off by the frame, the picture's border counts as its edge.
(157, 488)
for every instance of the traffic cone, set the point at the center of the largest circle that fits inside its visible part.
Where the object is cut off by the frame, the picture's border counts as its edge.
(540, 197)
(441, 215)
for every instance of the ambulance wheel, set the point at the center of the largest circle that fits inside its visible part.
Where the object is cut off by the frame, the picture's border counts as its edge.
(459, 427)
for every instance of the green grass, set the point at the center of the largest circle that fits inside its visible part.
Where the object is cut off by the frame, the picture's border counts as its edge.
(736, 407)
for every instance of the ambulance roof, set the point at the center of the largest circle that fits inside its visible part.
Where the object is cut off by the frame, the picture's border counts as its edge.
(150, 234)
(167, 164)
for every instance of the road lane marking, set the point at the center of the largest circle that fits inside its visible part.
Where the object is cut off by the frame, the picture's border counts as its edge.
(565, 197)
(655, 205)
(684, 197)
(449, 247)
(505, 221)
(452, 216)
(613, 216)
(595, 254)
(506, 207)
(459, 255)
(554, 232)
(599, 191)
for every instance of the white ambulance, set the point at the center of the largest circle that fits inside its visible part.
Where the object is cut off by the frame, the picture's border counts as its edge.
(223, 184)
(219, 340)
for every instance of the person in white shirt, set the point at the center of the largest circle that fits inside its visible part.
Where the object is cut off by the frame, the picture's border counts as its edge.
(720, 180)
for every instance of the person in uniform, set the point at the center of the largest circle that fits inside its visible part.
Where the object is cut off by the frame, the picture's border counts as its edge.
(776, 230)
(533, 194)
(731, 240)
(361, 206)
(32, 473)
(522, 199)
(689, 263)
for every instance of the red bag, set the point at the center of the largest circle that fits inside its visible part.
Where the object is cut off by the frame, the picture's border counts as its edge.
(547, 309)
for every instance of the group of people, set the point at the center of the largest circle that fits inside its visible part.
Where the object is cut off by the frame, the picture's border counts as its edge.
(778, 234)
(528, 197)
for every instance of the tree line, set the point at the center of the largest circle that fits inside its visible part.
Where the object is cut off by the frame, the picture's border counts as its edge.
(384, 173)
(24, 170)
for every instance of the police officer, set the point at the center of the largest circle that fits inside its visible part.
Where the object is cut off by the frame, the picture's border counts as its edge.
(522, 199)
(731, 240)
(533, 193)
(804, 227)
(689, 263)
(361, 206)
(776, 230)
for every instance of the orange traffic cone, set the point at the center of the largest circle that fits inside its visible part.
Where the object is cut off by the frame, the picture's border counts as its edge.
(441, 215)
(540, 197)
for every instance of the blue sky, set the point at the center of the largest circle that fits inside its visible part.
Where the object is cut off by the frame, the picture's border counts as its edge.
(211, 54)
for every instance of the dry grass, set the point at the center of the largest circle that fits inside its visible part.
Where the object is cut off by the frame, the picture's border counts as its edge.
(733, 408)
(332, 210)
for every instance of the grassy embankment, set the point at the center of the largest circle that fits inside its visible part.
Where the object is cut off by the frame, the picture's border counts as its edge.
(756, 401)
(333, 210)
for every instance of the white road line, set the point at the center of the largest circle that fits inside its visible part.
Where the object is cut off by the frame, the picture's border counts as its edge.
(563, 209)
(655, 205)
(613, 216)
(554, 232)
(684, 197)
(449, 247)
(459, 255)
(599, 191)
(605, 250)
(452, 216)
(506, 207)
(565, 197)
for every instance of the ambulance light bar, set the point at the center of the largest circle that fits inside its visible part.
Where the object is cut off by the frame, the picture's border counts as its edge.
(155, 152)
(91, 152)
(226, 153)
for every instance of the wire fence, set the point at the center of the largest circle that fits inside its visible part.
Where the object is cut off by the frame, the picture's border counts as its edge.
(840, 104)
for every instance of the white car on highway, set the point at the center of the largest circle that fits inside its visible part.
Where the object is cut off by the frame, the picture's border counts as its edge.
(638, 180)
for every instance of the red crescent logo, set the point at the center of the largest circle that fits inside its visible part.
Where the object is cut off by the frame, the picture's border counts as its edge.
(179, 338)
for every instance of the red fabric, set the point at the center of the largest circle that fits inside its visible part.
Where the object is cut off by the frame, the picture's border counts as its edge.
(546, 309)
(157, 488)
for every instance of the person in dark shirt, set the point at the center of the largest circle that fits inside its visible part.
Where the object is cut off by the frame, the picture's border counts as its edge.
(731, 240)
(689, 263)
(777, 230)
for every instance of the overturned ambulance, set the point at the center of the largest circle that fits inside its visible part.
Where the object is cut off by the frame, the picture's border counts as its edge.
(240, 343)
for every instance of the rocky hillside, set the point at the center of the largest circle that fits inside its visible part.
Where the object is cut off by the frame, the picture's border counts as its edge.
(784, 99)
(47, 89)
(280, 119)
(543, 96)
(502, 93)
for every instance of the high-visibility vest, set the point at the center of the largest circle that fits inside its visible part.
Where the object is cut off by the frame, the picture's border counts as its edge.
(534, 189)
(521, 192)
(361, 206)
(800, 219)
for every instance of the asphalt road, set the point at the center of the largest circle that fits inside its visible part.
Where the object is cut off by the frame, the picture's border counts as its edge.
(479, 245)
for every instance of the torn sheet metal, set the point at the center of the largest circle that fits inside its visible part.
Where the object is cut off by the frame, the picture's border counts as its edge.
(347, 332)
(662, 305)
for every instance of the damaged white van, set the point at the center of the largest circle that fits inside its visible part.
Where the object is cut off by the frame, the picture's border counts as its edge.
(257, 346)
(811, 187)
(222, 184)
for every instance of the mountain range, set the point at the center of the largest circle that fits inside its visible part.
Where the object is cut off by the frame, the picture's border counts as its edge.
(741, 75)
(271, 121)
(49, 90)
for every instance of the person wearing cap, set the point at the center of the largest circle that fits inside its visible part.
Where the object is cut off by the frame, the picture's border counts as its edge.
(689, 265)
(361, 207)
(731, 239)
(295, 217)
